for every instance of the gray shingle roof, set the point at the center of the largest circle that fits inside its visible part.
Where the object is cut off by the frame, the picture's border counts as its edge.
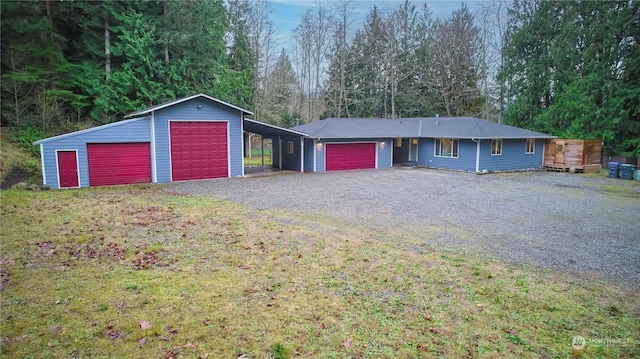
(441, 127)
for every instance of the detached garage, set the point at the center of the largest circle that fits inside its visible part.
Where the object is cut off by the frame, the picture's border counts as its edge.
(191, 138)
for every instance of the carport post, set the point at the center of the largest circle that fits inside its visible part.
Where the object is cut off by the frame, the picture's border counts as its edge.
(280, 152)
(477, 154)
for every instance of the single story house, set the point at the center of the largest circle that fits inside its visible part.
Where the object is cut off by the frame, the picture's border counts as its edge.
(200, 137)
(195, 137)
(456, 143)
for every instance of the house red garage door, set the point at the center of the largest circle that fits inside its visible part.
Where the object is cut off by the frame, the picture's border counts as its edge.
(199, 150)
(119, 163)
(350, 156)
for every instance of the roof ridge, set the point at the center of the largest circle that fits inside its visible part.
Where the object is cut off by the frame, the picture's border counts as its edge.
(475, 126)
(324, 123)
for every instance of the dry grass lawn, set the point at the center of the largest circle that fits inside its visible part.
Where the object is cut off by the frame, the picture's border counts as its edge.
(135, 272)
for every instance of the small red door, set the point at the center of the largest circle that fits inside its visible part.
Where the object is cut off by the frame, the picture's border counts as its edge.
(68, 169)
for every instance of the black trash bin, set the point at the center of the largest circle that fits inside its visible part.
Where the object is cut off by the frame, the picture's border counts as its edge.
(627, 171)
(614, 169)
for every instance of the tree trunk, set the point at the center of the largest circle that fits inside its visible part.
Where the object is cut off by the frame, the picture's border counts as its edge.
(107, 48)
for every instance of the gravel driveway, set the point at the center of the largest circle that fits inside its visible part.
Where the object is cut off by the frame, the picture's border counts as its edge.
(551, 220)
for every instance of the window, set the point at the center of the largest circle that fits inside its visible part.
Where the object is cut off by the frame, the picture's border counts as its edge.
(290, 147)
(446, 147)
(530, 146)
(397, 142)
(496, 147)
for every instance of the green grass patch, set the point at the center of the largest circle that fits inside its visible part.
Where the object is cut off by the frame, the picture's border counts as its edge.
(257, 161)
(136, 272)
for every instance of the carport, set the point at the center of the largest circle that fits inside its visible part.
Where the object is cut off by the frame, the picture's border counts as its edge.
(287, 145)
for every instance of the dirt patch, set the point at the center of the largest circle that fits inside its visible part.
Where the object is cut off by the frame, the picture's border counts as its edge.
(16, 175)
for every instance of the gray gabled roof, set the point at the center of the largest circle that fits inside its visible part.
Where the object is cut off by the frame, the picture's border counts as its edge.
(360, 128)
(174, 102)
(440, 127)
(472, 127)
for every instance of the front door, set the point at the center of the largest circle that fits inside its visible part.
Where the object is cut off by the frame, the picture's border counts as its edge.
(68, 169)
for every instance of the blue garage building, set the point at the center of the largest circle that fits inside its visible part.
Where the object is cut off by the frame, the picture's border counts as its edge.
(195, 137)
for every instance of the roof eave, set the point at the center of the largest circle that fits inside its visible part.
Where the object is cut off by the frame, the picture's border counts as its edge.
(277, 127)
(175, 102)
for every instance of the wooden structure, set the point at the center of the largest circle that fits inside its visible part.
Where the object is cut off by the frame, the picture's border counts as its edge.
(575, 156)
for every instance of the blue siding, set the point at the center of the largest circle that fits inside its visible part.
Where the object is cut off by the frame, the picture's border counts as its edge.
(384, 153)
(189, 111)
(275, 151)
(130, 131)
(309, 152)
(291, 161)
(466, 160)
(513, 156)
(320, 158)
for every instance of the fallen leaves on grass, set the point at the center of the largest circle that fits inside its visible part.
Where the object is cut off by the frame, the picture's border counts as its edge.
(144, 325)
(96, 249)
(146, 260)
(112, 334)
(347, 342)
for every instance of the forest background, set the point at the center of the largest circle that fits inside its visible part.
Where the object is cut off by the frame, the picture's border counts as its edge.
(567, 68)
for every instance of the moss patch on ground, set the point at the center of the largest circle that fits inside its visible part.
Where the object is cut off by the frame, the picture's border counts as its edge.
(135, 272)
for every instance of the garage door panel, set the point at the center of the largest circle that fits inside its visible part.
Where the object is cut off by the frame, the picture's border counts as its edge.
(119, 163)
(350, 156)
(199, 150)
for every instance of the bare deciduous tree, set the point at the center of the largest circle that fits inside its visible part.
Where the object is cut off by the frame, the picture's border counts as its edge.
(455, 47)
(263, 44)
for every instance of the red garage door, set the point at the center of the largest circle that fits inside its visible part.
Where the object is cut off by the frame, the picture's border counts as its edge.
(119, 163)
(350, 156)
(199, 150)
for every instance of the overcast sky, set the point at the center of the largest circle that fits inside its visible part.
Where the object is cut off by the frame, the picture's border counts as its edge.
(286, 14)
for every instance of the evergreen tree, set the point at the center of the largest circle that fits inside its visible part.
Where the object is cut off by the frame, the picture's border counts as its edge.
(572, 71)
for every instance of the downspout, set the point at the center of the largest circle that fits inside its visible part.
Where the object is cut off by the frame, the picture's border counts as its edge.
(301, 154)
(477, 154)
(154, 173)
(44, 177)
(242, 146)
(315, 154)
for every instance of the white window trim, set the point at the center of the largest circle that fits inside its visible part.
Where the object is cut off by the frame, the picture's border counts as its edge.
(290, 147)
(499, 152)
(435, 147)
(526, 146)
